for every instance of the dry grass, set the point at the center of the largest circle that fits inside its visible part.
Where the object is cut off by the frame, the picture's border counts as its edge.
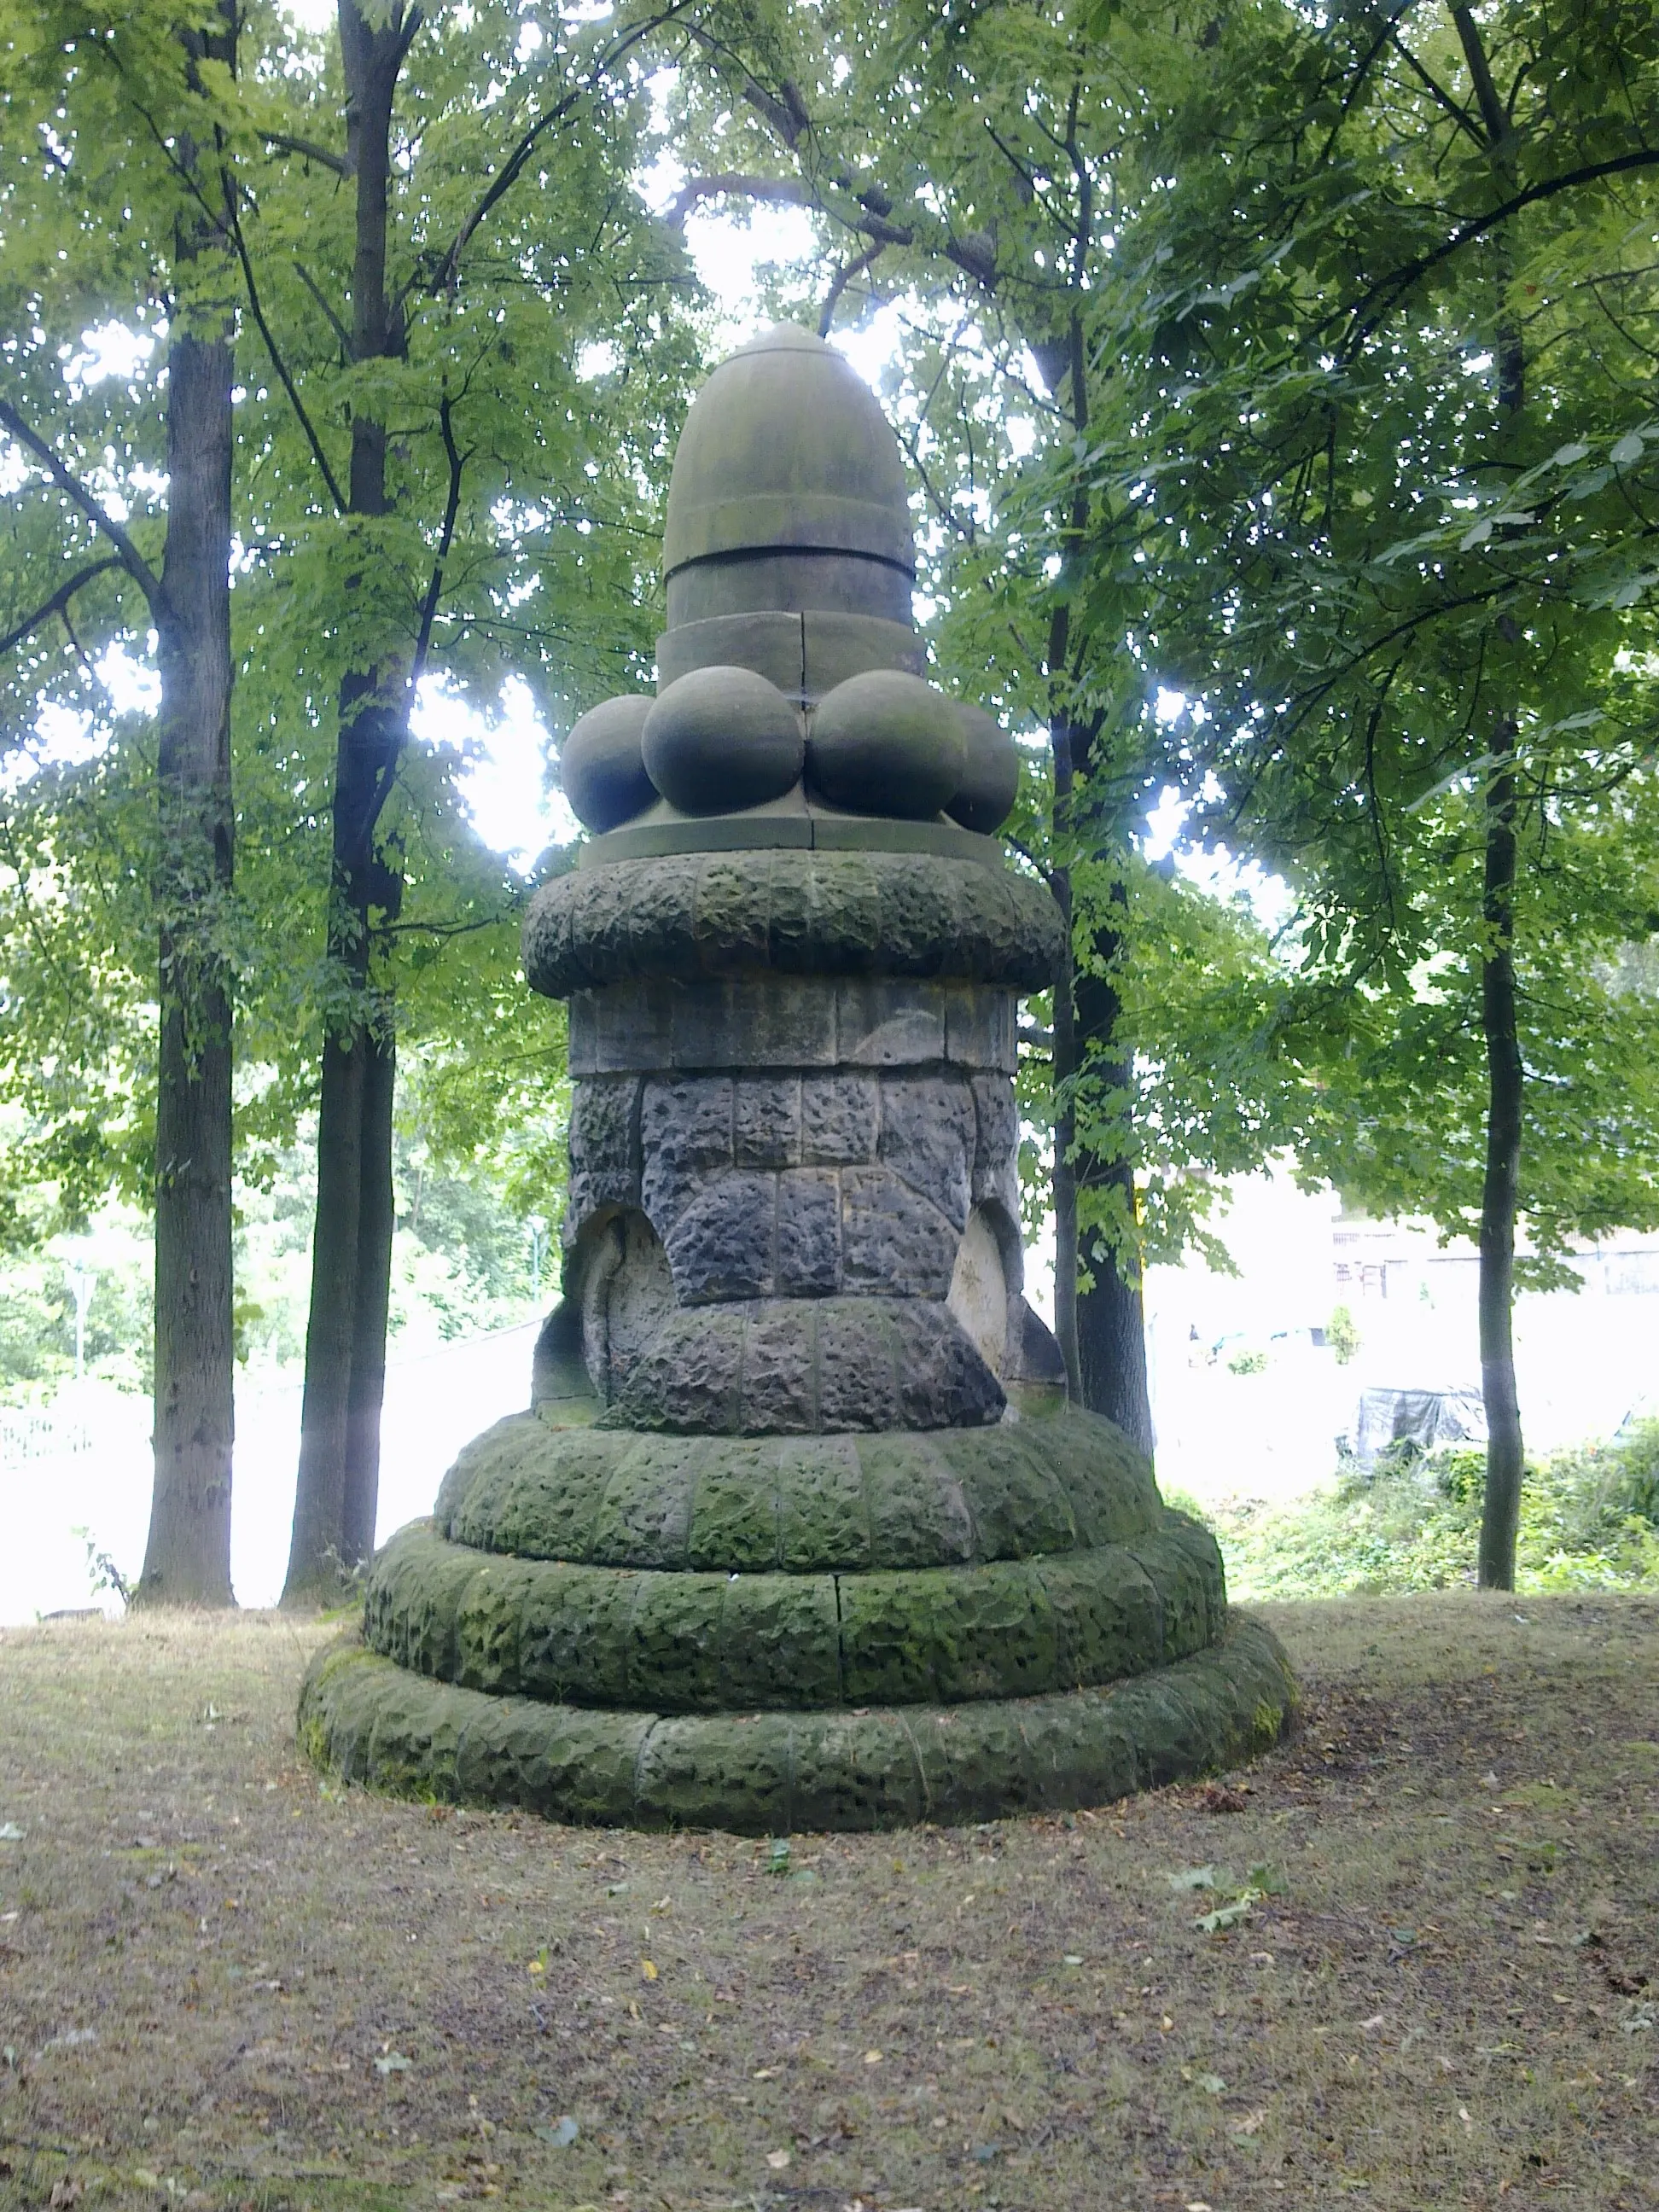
(1454, 2002)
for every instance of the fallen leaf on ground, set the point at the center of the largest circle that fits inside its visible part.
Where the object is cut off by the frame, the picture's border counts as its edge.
(1192, 1878)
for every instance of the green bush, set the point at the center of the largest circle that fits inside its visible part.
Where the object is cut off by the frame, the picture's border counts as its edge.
(1342, 1335)
(1589, 1520)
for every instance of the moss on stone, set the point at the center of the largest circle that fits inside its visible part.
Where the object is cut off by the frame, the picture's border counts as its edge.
(684, 1642)
(802, 913)
(810, 1504)
(771, 1772)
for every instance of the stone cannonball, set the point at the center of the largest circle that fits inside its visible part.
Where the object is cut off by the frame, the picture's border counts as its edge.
(990, 774)
(886, 743)
(601, 767)
(719, 739)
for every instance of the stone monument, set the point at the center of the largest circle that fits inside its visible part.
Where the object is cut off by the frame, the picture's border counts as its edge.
(800, 1530)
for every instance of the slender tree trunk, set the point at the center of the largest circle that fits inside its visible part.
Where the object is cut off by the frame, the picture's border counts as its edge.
(338, 1486)
(1500, 1195)
(1111, 1322)
(315, 1550)
(188, 1555)
(376, 1217)
(1065, 1066)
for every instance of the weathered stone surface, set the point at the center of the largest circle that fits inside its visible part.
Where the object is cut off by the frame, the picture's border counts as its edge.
(996, 1142)
(789, 1024)
(839, 1117)
(685, 1130)
(763, 1367)
(766, 1121)
(780, 1392)
(605, 1145)
(721, 738)
(767, 1774)
(885, 742)
(928, 1137)
(708, 1642)
(893, 1244)
(798, 913)
(720, 1246)
(811, 1503)
(601, 766)
(808, 1247)
(990, 772)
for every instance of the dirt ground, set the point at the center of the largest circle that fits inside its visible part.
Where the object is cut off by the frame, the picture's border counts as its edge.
(227, 1982)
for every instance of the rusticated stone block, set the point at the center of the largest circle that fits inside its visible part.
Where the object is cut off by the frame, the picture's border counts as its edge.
(808, 1250)
(996, 1140)
(943, 1382)
(893, 1242)
(805, 912)
(721, 1245)
(928, 1132)
(779, 1385)
(686, 1132)
(766, 1118)
(839, 1115)
(772, 1771)
(857, 1384)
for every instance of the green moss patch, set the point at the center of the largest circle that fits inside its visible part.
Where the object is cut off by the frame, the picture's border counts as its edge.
(808, 1503)
(769, 1773)
(687, 1642)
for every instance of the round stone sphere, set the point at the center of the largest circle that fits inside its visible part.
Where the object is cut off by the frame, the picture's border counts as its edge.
(990, 773)
(601, 767)
(719, 739)
(886, 743)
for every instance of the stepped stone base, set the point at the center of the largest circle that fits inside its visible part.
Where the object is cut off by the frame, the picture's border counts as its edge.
(768, 1773)
(842, 1631)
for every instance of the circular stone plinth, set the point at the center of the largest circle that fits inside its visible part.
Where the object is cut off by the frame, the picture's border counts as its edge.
(795, 912)
(808, 1504)
(722, 1642)
(769, 1773)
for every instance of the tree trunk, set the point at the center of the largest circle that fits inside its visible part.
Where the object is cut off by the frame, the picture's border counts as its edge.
(376, 1218)
(187, 1554)
(1063, 1068)
(1111, 1326)
(1500, 1195)
(337, 1492)
(316, 1548)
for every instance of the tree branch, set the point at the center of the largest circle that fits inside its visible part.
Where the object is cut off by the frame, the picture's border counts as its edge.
(787, 190)
(1436, 91)
(507, 175)
(446, 538)
(842, 278)
(1390, 290)
(72, 486)
(318, 294)
(281, 366)
(58, 603)
(307, 151)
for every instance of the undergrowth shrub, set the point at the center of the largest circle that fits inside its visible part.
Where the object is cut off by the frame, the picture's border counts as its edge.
(1589, 1520)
